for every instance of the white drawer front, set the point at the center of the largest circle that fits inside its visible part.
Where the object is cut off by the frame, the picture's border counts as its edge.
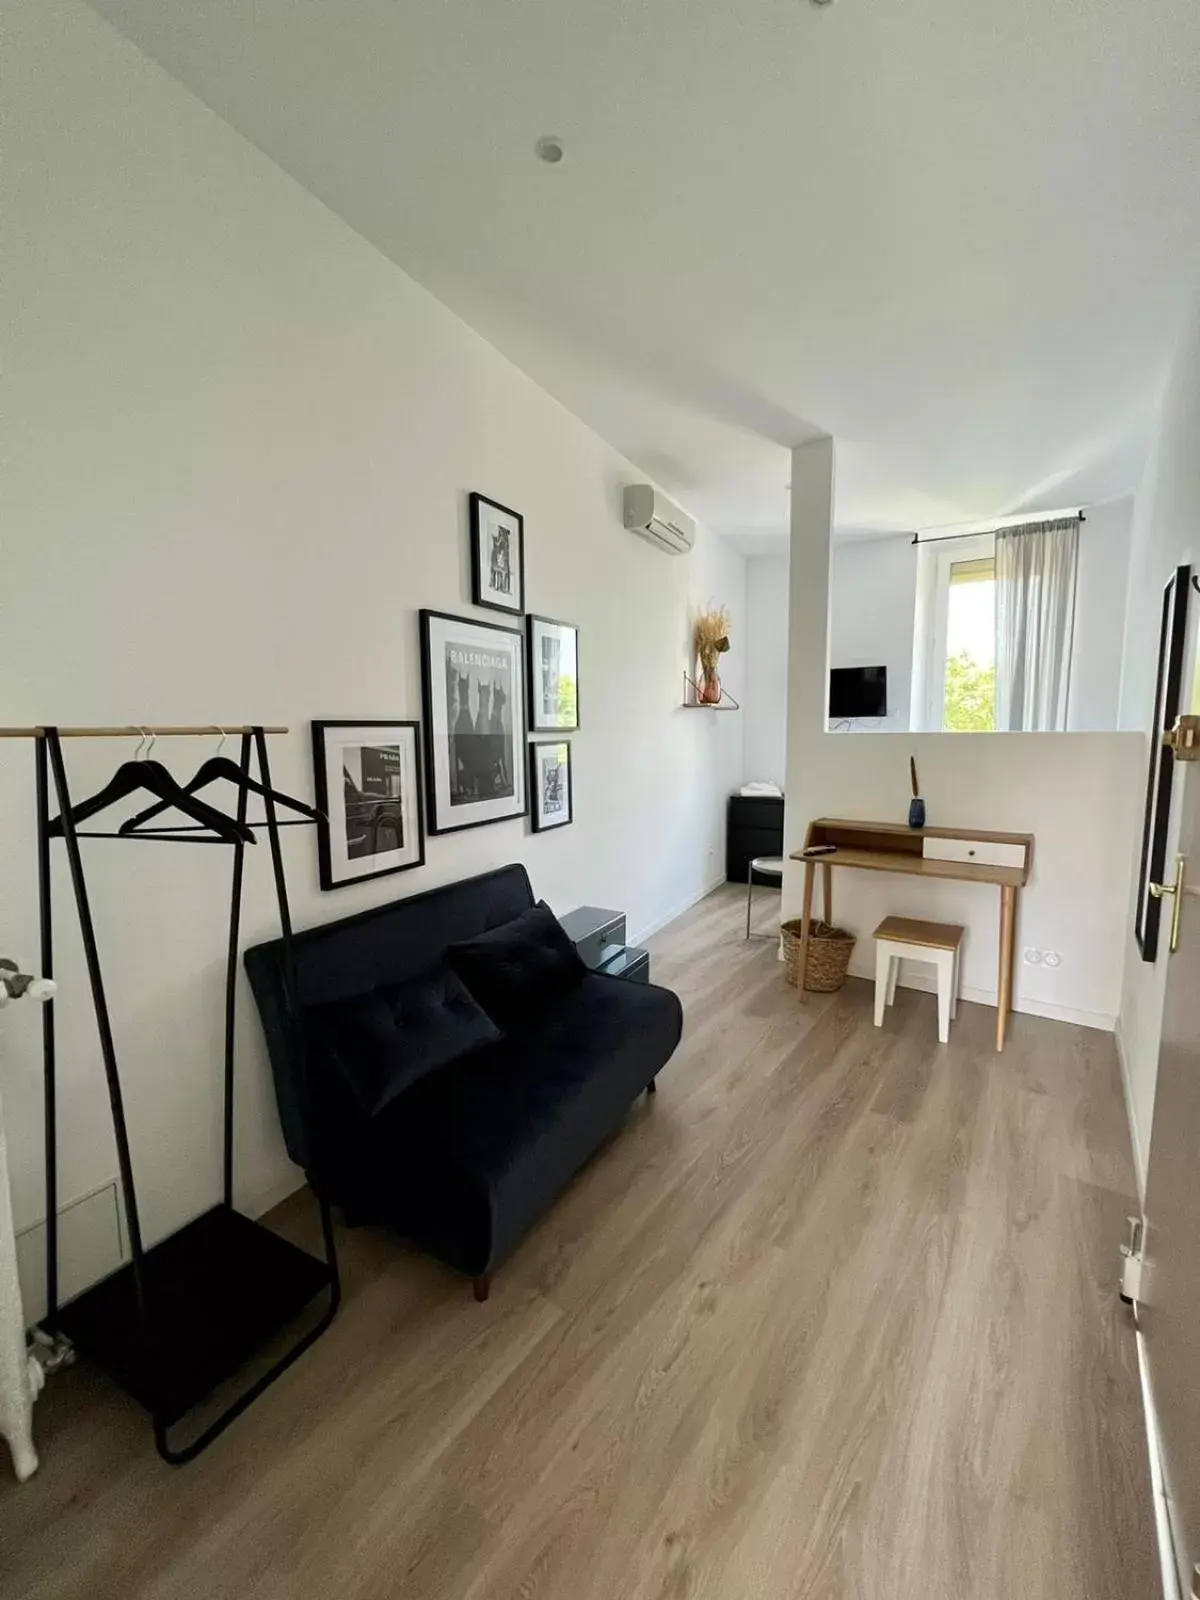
(986, 852)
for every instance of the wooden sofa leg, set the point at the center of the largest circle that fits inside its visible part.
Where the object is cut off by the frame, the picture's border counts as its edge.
(652, 1086)
(482, 1287)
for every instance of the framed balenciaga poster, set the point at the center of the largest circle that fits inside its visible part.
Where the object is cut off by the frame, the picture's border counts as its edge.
(550, 784)
(497, 556)
(473, 682)
(553, 675)
(368, 783)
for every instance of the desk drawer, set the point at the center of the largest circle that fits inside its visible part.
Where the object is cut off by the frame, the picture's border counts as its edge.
(985, 852)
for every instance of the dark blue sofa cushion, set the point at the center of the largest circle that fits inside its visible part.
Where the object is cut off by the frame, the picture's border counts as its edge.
(517, 969)
(406, 938)
(383, 1041)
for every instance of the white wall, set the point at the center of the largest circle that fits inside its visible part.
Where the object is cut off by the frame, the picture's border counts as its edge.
(873, 597)
(241, 443)
(1101, 587)
(1077, 793)
(764, 700)
(1166, 534)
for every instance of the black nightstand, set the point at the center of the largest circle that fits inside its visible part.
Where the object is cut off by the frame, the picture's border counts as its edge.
(754, 827)
(599, 936)
(626, 961)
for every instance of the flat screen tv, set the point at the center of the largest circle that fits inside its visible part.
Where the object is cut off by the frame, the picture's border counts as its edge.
(857, 692)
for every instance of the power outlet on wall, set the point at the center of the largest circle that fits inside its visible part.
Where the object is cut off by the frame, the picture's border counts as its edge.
(1041, 958)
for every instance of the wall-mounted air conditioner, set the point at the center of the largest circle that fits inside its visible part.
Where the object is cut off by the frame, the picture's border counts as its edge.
(653, 516)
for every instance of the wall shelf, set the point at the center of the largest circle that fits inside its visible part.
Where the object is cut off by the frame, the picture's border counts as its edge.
(725, 703)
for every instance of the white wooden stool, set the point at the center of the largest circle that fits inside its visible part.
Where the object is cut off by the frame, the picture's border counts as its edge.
(907, 938)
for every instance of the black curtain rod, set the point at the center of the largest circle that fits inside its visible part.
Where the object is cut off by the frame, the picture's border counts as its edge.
(943, 538)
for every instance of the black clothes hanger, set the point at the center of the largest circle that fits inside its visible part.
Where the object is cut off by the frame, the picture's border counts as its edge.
(153, 776)
(214, 769)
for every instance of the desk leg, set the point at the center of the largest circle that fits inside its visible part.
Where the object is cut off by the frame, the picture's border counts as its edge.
(1008, 918)
(810, 873)
(827, 887)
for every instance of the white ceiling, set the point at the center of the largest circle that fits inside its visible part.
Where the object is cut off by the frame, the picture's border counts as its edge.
(958, 235)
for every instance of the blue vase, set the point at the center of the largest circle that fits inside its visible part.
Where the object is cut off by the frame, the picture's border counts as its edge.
(916, 813)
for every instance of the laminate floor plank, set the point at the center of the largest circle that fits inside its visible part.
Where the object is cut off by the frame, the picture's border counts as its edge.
(833, 1316)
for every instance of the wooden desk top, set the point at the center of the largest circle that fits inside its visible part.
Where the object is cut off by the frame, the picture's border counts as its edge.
(894, 847)
(920, 866)
(901, 830)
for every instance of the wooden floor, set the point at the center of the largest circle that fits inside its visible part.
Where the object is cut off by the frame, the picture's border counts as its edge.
(833, 1315)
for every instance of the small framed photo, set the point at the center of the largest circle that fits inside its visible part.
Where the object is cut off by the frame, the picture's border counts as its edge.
(473, 682)
(553, 674)
(497, 556)
(550, 784)
(368, 781)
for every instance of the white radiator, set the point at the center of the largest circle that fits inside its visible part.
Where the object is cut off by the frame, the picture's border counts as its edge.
(21, 1375)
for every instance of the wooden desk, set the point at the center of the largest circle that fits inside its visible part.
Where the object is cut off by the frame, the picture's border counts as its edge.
(892, 847)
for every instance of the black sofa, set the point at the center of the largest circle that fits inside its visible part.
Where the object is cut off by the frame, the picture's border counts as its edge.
(467, 1158)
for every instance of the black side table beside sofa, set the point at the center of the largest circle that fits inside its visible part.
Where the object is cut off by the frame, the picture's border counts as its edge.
(599, 936)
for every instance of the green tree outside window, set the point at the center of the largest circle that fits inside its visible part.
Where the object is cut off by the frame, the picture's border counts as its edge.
(970, 705)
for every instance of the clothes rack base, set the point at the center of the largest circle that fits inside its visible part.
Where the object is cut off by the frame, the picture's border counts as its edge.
(181, 1318)
(219, 1288)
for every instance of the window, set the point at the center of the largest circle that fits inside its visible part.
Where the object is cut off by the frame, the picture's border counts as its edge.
(954, 665)
(969, 674)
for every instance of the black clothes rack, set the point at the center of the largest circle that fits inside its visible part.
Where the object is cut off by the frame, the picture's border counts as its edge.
(182, 1318)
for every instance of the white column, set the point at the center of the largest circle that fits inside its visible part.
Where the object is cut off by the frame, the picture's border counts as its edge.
(808, 648)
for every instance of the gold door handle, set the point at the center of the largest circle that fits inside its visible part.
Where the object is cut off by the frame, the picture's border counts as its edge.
(1176, 890)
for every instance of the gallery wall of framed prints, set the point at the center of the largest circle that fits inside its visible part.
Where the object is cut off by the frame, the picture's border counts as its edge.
(473, 688)
(368, 788)
(553, 671)
(480, 682)
(497, 556)
(550, 784)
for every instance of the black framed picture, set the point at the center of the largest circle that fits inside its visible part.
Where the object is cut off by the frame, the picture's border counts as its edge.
(368, 782)
(497, 556)
(553, 673)
(550, 784)
(1172, 640)
(473, 683)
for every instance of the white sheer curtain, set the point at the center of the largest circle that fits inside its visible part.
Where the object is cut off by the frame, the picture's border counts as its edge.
(1035, 624)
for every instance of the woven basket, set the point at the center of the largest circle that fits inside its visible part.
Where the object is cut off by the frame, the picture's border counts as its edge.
(828, 955)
